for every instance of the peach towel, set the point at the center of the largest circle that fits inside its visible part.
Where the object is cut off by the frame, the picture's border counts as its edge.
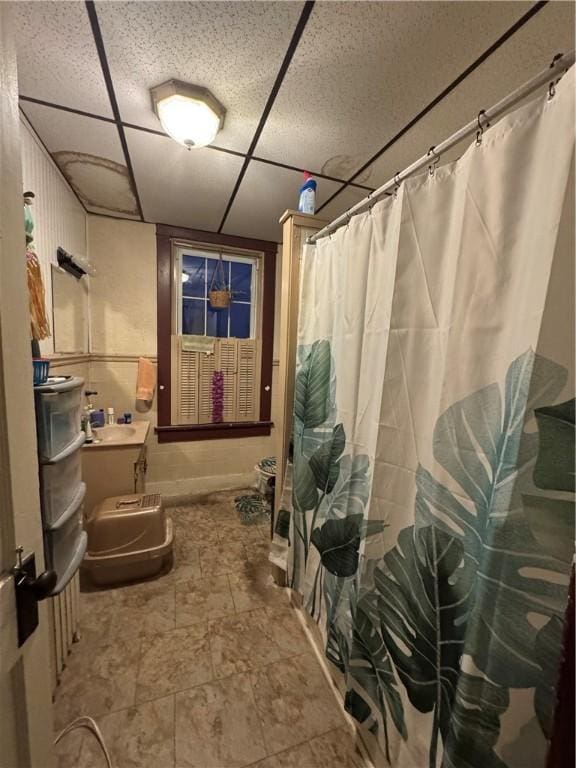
(146, 381)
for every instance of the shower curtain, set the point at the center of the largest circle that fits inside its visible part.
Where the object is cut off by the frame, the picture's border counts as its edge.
(430, 527)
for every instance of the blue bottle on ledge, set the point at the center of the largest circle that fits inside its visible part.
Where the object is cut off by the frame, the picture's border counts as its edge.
(307, 198)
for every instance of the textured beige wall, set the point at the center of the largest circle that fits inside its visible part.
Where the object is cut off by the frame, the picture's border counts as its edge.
(123, 294)
(123, 327)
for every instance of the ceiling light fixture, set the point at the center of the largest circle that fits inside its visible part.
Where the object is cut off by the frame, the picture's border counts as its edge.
(191, 115)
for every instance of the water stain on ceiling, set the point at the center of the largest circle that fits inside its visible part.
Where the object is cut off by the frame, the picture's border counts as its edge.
(343, 166)
(98, 182)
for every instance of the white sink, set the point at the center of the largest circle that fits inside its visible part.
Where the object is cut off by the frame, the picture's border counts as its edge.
(119, 435)
(114, 433)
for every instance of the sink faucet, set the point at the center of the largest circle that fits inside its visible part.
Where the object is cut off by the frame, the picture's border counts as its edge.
(89, 406)
(87, 418)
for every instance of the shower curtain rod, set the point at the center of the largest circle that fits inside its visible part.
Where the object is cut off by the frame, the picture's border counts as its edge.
(560, 64)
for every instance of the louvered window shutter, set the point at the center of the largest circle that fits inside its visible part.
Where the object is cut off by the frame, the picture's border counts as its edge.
(184, 384)
(227, 362)
(247, 387)
(192, 375)
(206, 372)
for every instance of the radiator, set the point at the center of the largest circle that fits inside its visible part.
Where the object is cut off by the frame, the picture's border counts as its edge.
(63, 616)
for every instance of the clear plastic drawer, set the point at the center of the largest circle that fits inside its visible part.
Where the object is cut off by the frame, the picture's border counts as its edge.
(60, 481)
(58, 416)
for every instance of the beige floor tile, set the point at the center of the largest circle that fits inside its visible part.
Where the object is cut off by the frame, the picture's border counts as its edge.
(241, 643)
(335, 749)
(97, 601)
(294, 702)
(234, 530)
(222, 558)
(258, 551)
(287, 631)
(217, 726)
(97, 680)
(128, 611)
(196, 532)
(187, 547)
(138, 737)
(203, 599)
(270, 696)
(183, 571)
(148, 606)
(74, 751)
(253, 588)
(295, 757)
(172, 661)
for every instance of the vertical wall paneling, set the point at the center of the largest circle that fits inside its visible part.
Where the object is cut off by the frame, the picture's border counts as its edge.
(59, 219)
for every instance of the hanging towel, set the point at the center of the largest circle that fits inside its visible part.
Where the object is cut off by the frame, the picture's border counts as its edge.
(146, 381)
(198, 344)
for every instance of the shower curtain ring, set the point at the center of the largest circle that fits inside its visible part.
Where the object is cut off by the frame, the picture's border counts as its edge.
(370, 203)
(435, 161)
(348, 217)
(481, 128)
(553, 83)
(396, 184)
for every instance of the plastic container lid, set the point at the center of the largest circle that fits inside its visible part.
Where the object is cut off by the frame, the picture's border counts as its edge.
(63, 386)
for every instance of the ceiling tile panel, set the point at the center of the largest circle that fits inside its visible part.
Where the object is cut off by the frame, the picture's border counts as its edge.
(346, 199)
(57, 57)
(266, 192)
(89, 154)
(233, 48)
(65, 131)
(187, 188)
(524, 55)
(364, 69)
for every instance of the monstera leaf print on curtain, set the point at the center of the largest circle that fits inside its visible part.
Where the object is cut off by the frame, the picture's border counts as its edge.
(430, 528)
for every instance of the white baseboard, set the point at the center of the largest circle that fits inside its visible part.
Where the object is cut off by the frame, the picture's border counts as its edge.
(195, 486)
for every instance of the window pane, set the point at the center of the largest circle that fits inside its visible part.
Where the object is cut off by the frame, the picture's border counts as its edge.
(240, 321)
(241, 281)
(193, 276)
(193, 316)
(218, 282)
(217, 322)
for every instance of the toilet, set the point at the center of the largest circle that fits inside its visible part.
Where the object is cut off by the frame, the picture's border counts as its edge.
(129, 538)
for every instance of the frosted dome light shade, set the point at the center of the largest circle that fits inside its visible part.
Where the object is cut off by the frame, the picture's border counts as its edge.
(189, 122)
(189, 114)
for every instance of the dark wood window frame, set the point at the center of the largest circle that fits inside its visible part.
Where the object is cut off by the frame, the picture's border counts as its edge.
(167, 432)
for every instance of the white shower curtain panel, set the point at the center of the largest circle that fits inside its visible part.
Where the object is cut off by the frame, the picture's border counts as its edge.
(431, 525)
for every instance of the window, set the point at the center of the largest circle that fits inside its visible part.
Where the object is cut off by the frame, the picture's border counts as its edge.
(214, 364)
(199, 272)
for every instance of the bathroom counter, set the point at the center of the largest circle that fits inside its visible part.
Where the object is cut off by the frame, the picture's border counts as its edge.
(116, 465)
(115, 435)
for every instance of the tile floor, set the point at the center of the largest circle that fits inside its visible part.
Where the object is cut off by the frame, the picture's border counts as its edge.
(204, 667)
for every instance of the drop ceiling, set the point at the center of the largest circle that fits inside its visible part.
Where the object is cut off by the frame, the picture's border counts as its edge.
(352, 91)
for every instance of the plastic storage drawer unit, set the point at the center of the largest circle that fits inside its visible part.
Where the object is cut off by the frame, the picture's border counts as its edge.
(60, 481)
(62, 537)
(58, 415)
(129, 537)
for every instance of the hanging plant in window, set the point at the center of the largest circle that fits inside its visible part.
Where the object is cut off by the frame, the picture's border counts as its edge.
(219, 294)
